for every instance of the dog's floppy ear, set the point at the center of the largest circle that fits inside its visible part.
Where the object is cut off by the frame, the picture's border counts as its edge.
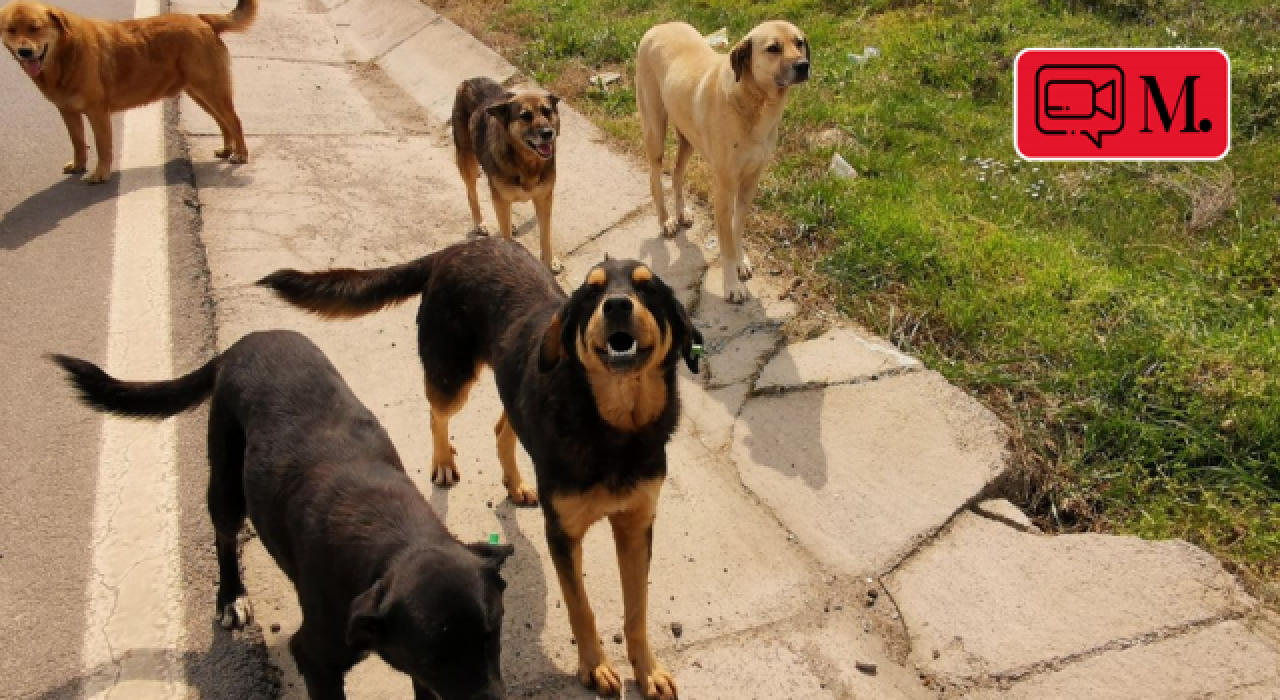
(496, 554)
(59, 19)
(551, 349)
(686, 335)
(740, 58)
(367, 622)
(502, 107)
(555, 100)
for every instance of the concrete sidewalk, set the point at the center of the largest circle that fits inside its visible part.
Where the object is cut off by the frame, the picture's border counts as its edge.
(823, 508)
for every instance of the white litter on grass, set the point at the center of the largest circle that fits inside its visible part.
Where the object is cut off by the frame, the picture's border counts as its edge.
(601, 80)
(719, 38)
(867, 54)
(841, 168)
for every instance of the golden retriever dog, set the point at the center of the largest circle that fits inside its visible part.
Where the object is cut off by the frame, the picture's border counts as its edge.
(727, 108)
(94, 68)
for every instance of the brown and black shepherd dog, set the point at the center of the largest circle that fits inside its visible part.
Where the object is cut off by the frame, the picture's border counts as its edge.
(588, 387)
(94, 68)
(512, 136)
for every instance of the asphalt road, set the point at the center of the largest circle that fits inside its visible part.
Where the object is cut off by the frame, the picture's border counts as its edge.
(56, 244)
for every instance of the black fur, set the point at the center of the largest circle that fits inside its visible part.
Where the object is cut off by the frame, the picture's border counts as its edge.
(292, 448)
(490, 301)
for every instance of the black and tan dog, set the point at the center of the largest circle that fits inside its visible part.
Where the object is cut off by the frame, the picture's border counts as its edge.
(375, 570)
(512, 136)
(588, 386)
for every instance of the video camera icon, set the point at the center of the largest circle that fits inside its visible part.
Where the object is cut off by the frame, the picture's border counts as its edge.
(1086, 99)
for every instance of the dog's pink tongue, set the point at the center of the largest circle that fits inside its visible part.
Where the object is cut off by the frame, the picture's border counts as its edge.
(546, 149)
(32, 66)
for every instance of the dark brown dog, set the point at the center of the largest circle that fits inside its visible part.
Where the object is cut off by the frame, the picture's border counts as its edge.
(512, 136)
(588, 386)
(375, 570)
(94, 68)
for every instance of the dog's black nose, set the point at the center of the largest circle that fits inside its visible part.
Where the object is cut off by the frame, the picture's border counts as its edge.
(617, 308)
(26, 52)
(802, 70)
(547, 134)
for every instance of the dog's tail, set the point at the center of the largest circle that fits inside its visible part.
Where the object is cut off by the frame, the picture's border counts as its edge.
(346, 293)
(138, 399)
(237, 20)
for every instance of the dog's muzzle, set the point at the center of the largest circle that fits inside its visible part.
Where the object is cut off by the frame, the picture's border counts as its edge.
(544, 144)
(31, 63)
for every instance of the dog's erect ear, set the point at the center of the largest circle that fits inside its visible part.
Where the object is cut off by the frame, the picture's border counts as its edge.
(501, 109)
(59, 19)
(496, 554)
(740, 58)
(367, 622)
(551, 349)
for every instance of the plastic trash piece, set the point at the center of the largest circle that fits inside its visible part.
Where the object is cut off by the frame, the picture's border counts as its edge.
(719, 38)
(841, 168)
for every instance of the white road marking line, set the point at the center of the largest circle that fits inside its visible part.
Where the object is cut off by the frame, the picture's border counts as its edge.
(135, 614)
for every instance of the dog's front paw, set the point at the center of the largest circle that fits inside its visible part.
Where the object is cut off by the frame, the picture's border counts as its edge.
(745, 271)
(601, 680)
(658, 684)
(671, 227)
(236, 614)
(238, 158)
(72, 167)
(555, 265)
(480, 230)
(222, 153)
(523, 495)
(97, 177)
(445, 474)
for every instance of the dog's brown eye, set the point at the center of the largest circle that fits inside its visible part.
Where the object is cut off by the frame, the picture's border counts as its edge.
(546, 111)
(774, 48)
(800, 43)
(527, 116)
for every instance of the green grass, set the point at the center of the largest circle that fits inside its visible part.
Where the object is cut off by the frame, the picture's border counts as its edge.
(1122, 317)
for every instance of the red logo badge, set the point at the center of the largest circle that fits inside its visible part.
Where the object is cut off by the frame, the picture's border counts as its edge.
(1122, 104)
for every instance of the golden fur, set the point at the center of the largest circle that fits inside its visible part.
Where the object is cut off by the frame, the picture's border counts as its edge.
(727, 108)
(93, 68)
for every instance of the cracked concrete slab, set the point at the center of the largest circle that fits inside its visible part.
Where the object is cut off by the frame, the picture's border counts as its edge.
(710, 413)
(739, 358)
(863, 472)
(749, 669)
(720, 320)
(679, 261)
(838, 356)
(277, 33)
(993, 601)
(371, 28)
(290, 98)
(1227, 659)
(430, 65)
(1002, 510)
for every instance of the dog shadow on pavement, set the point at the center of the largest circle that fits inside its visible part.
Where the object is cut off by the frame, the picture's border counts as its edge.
(44, 211)
(235, 666)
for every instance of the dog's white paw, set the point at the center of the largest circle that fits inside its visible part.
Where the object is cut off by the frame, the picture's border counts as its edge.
(236, 614)
(685, 217)
(555, 265)
(445, 474)
(735, 292)
(671, 227)
(745, 270)
(523, 495)
(239, 158)
(97, 177)
(480, 230)
(72, 168)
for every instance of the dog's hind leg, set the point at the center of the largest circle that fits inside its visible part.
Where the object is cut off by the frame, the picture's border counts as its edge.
(633, 538)
(684, 149)
(445, 405)
(227, 510)
(520, 493)
(469, 169)
(227, 146)
(79, 148)
(654, 123)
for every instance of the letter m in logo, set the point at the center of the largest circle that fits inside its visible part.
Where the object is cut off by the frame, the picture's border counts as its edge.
(1153, 96)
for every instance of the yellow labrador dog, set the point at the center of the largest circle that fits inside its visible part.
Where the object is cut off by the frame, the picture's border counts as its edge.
(725, 107)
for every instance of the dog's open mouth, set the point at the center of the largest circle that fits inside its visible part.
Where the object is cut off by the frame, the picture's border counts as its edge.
(546, 149)
(622, 351)
(33, 66)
